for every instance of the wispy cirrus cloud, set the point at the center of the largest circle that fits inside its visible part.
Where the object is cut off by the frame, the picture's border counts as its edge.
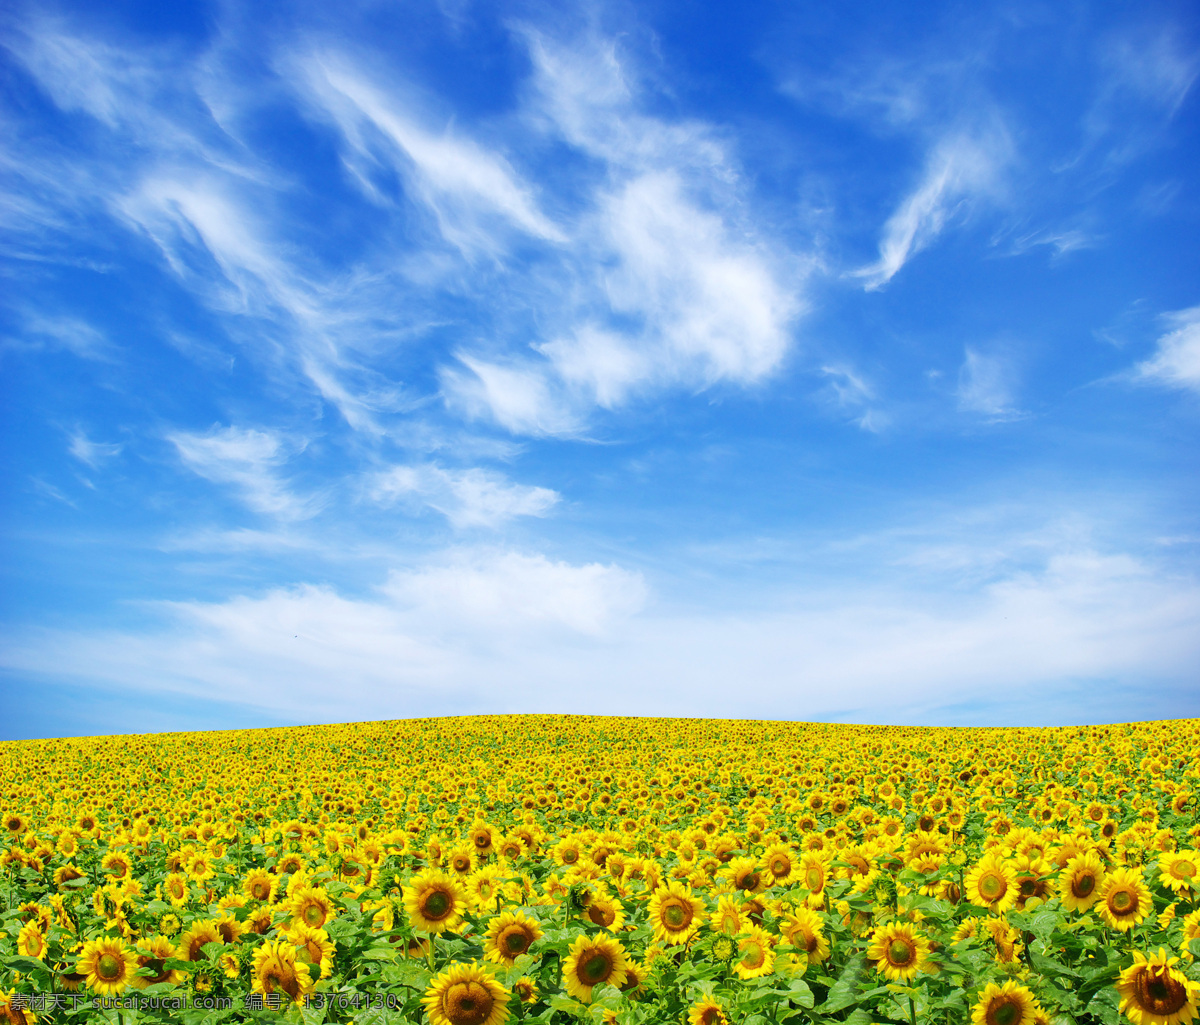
(249, 462)
(462, 182)
(987, 384)
(1176, 360)
(959, 171)
(472, 497)
(93, 454)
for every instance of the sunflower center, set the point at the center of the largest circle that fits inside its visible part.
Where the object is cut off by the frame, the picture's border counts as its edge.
(109, 967)
(596, 967)
(516, 941)
(437, 905)
(1159, 993)
(1028, 886)
(779, 867)
(675, 915)
(992, 887)
(1083, 885)
(1122, 902)
(814, 877)
(900, 952)
(754, 954)
(468, 1003)
(1183, 869)
(1003, 1011)
(156, 966)
(314, 915)
(601, 915)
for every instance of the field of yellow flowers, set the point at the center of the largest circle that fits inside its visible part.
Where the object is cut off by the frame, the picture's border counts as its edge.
(548, 869)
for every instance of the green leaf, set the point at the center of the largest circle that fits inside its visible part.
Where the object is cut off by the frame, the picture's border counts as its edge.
(844, 992)
(572, 1007)
(24, 964)
(801, 994)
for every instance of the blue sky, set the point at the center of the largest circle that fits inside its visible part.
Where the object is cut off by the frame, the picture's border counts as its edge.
(766, 360)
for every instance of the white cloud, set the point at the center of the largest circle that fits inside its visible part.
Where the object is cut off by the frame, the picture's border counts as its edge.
(959, 169)
(668, 284)
(1176, 362)
(462, 182)
(467, 498)
(987, 384)
(248, 461)
(93, 453)
(501, 631)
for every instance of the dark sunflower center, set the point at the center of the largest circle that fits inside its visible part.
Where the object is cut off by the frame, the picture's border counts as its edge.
(516, 941)
(570, 857)
(468, 1003)
(779, 867)
(596, 968)
(753, 955)
(1083, 885)
(900, 952)
(1159, 993)
(156, 966)
(992, 887)
(676, 916)
(1028, 886)
(437, 905)
(314, 915)
(1004, 1012)
(108, 967)
(601, 915)
(1122, 902)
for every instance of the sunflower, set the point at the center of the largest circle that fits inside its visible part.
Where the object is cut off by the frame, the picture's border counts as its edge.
(466, 995)
(260, 885)
(191, 943)
(805, 931)
(1155, 993)
(116, 864)
(605, 910)
(1080, 882)
(594, 961)
(1125, 899)
(1009, 1004)
(1032, 876)
(313, 947)
(152, 953)
(290, 864)
(746, 874)
(509, 935)
(13, 1011)
(525, 990)
(991, 884)
(312, 906)
(706, 1011)
(108, 965)
(728, 916)
(755, 956)
(462, 860)
(434, 901)
(483, 887)
(1191, 931)
(275, 970)
(482, 837)
(675, 913)
(814, 873)
(899, 951)
(1180, 870)
(175, 889)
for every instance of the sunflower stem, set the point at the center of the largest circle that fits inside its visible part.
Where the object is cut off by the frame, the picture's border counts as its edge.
(912, 1009)
(432, 937)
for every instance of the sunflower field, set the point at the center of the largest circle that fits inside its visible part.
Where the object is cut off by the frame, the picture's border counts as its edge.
(561, 869)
